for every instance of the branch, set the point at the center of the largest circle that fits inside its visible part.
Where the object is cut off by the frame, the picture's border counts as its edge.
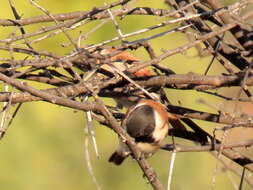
(85, 106)
(78, 14)
(211, 147)
(196, 81)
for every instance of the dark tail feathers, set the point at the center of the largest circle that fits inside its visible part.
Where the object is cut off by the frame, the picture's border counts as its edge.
(116, 158)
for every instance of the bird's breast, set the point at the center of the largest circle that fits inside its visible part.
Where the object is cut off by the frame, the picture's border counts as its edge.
(161, 129)
(147, 147)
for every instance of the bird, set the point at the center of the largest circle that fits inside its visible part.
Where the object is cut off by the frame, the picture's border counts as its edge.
(147, 121)
(148, 124)
(122, 60)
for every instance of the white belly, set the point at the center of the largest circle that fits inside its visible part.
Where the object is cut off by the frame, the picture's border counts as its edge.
(162, 131)
(147, 147)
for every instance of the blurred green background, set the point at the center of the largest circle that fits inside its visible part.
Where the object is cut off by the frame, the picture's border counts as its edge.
(44, 147)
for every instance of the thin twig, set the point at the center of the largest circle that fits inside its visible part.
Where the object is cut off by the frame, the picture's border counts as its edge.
(56, 22)
(172, 161)
(88, 160)
(121, 35)
(91, 129)
(242, 179)
(4, 114)
(210, 147)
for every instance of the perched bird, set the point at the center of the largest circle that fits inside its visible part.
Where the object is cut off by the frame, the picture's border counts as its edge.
(147, 123)
(122, 60)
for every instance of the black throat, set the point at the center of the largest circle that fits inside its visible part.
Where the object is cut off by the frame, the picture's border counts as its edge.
(141, 124)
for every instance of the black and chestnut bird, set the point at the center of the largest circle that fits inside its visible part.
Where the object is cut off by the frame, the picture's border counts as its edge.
(147, 123)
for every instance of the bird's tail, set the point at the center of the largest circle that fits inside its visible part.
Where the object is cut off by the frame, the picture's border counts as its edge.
(117, 158)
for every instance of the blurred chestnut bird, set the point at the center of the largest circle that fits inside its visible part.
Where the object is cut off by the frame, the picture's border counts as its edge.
(147, 123)
(122, 60)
